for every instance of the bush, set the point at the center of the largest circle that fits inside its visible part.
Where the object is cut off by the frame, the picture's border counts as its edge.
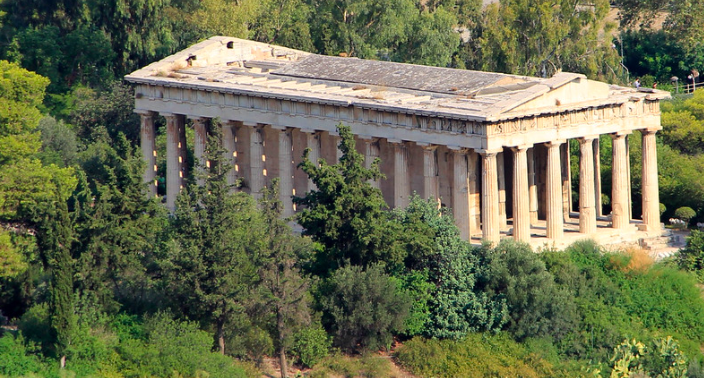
(691, 257)
(537, 307)
(685, 213)
(311, 344)
(663, 209)
(16, 358)
(476, 355)
(363, 308)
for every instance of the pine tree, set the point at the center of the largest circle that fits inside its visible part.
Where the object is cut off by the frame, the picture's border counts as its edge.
(286, 293)
(217, 237)
(346, 214)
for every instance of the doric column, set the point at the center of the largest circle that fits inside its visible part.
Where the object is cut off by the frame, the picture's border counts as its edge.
(460, 192)
(490, 198)
(587, 212)
(475, 216)
(256, 160)
(619, 182)
(401, 184)
(174, 160)
(629, 207)
(148, 144)
(430, 171)
(229, 144)
(651, 197)
(554, 199)
(182, 148)
(199, 142)
(337, 139)
(521, 213)
(313, 143)
(371, 152)
(532, 187)
(597, 178)
(566, 179)
(501, 171)
(286, 171)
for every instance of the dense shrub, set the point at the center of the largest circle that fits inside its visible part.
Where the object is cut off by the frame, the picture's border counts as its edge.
(537, 307)
(311, 344)
(16, 358)
(691, 257)
(685, 213)
(363, 308)
(476, 355)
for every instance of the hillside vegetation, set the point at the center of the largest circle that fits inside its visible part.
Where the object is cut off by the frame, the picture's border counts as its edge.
(98, 280)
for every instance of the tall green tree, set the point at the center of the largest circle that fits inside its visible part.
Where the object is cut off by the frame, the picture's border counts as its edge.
(217, 236)
(116, 224)
(540, 38)
(55, 237)
(345, 213)
(286, 290)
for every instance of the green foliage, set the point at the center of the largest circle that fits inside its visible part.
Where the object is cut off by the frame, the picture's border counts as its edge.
(369, 365)
(59, 144)
(540, 38)
(346, 214)
(455, 305)
(683, 131)
(117, 225)
(12, 262)
(16, 358)
(662, 359)
(35, 325)
(216, 238)
(111, 109)
(476, 355)
(685, 213)
(691, 257)
(311, 344)
(362, 308)
(659, 53)
(537, 307)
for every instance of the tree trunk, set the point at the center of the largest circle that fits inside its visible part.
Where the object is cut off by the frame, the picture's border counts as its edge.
(63, 361)
(282, 350)
(221, 335)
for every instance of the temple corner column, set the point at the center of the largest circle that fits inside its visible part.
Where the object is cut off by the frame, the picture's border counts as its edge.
(651, 196)
(148, 145)
(619, 182)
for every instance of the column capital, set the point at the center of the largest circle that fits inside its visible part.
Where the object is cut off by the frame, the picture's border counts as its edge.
(167, 114)
(197, 118)
(620, 134)
(490, 151)
(427, 146)
(280, 128)
(232, 122)
(521, 147)
(457, 149)
(587, 138)
(396, 141)
(555, 143)
(367, 138)
(145, 113)
(650, 130)
(309, 131)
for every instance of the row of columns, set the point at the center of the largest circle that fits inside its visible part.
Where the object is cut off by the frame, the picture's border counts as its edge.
(464, 179)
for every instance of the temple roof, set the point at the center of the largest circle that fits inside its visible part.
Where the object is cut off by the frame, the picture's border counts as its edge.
(234, 65)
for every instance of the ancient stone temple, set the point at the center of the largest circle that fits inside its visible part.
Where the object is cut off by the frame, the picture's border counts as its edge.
(492, 147)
